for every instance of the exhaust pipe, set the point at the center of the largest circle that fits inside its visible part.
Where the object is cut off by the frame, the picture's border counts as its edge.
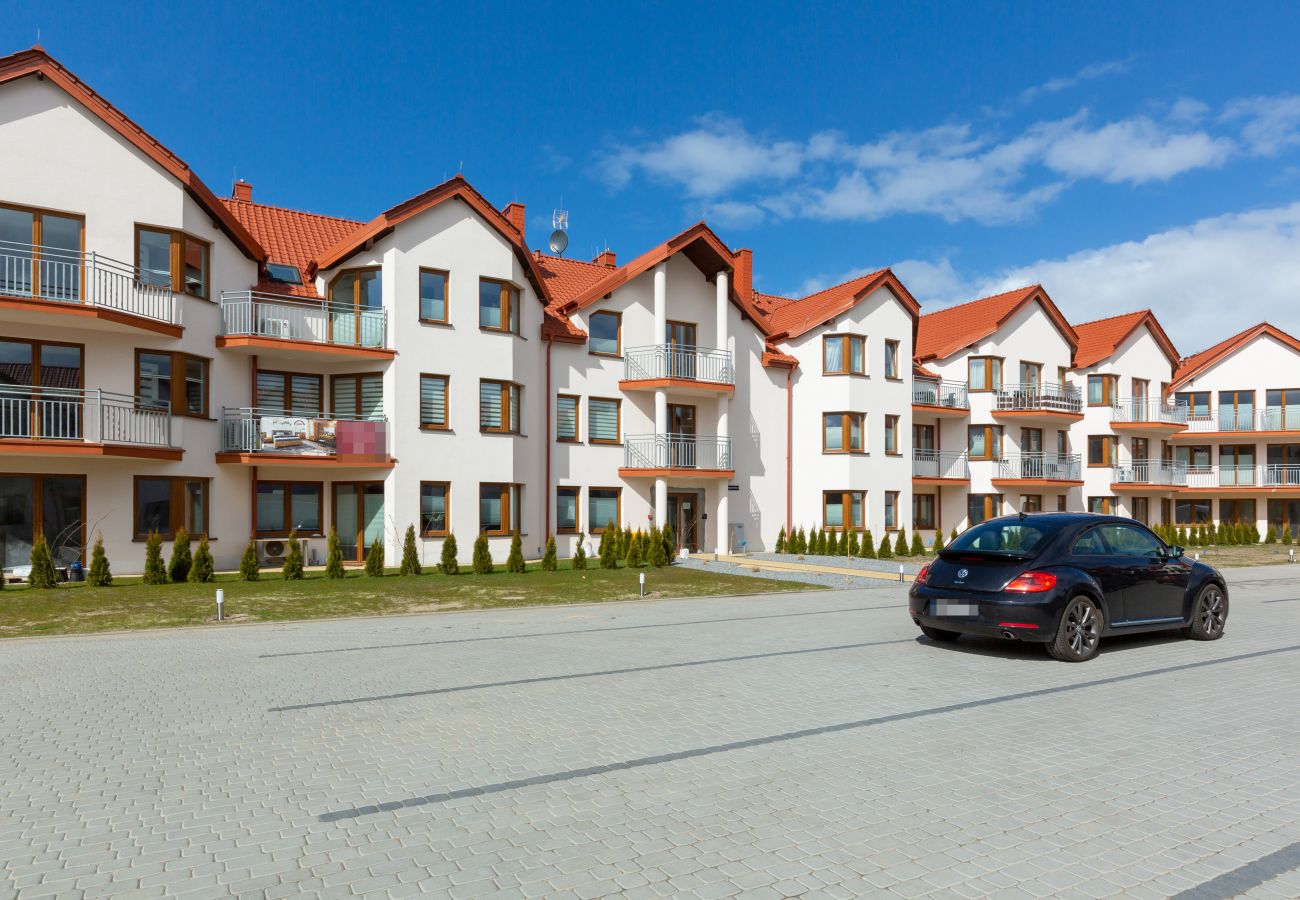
(1009, 636)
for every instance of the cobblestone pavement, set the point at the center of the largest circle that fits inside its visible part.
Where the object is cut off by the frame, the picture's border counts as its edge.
(793, 745)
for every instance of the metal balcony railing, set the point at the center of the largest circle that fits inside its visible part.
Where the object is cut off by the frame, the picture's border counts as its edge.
(1150, 471)
(931, 392)
(678, 361)
(1217, 476)
(93, 416)
(254, 314)
(1148, 409)
(1272, 418)
(48, 273)
(1041, 397)
(1045, 466)
(940, 464)
(252, 430)
(676, 451)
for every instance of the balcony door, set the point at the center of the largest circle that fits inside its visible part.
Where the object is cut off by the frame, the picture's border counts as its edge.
(356, 308)
(683, 515)
(40, 390)
(681, 435)
(40, 254)
(1236, 410)
(358, 516)
(680, 338)
(1236, 464)
(52, 505)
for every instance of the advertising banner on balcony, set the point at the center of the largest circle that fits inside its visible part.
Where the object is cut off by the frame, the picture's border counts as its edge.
(344, 440)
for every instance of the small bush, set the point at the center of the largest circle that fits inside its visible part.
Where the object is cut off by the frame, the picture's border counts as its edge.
(918, 545)
(515, 559)
(832, 545)
(375, 558)
(154, 570)
(179, 567)
(410, 557)
(952, 535)
(938, 542)
(334, 556)
(43, 574)
(900, 546)
(885, 551)
(609, 545)
(100, 574)
(635, 560)
(482, 561)
(203, 571)
(292, 568)
(670, 542)
(1271, 537)
(1180, 537)
(249, 569)
(658, 552)
(447, 564)
(780, 540)
(1286, 533)
(868, 545)
(549, 562)
(579, 560)
(852, 547)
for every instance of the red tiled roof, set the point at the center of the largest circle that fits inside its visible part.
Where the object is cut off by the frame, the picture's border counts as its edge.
(923, 372)
(37, 62)
(1101, 338)
(565, 279)
(796, 317)
(1197, 363)
(291, 237)
(774, 357)
(946, 331)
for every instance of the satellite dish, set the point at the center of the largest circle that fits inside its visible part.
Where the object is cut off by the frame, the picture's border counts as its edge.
(559, 242)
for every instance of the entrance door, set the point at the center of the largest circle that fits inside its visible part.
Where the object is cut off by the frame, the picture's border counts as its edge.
(358, 516)
(681, 349)
(683, 515)
(681, 435)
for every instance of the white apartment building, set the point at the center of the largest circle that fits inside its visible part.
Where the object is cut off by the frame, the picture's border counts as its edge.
(172, 358)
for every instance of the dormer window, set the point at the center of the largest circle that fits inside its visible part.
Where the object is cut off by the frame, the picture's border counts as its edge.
(283, 273)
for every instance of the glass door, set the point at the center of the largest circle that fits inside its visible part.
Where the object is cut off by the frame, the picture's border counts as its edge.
(1236, 410)
(681, 349)
(683, 515)
(358, 516)
(681, 435)
(356, 304)
(40, 390)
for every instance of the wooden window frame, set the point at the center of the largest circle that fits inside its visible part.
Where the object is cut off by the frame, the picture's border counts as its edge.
(618, 422)
(577, 419)
(511, 306)
(992, 506)
(933, 524)
(1024, 502)
(446, 296)
(891, 360)
(446, 403)
(356, 376)
(618, 334)
(507, 496)
(38, 503)
(1108, 455)
(288, 388)
(177, 258)
(618, 500)
(897, 495)
(1107, 504)
(897, 423)
(506, 387)
(1037, 367)
(576, 491)
(846, 354)
(178, 405)
(446, 500)
(1234, 504)
(845, 418)
(288, 505)
(1145, 502)
(846, 502)
(1109, 389)
(37, 238)
(175, 505)
(356, 296)
(993, 438)
(988, 386)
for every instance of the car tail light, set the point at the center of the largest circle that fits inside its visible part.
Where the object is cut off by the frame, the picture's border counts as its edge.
(922, 575)
(1032, 583)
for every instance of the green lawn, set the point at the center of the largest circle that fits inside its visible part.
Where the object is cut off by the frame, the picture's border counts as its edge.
(78, 609)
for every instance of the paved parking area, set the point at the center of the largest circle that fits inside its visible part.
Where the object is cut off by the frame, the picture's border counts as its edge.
(788, 745)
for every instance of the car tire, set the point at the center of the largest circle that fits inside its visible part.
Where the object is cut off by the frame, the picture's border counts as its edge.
(939, 635)
(1078, 637)
(1209, 614)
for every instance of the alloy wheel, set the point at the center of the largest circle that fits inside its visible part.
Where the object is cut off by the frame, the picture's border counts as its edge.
(1081, 631)
(1212, 612)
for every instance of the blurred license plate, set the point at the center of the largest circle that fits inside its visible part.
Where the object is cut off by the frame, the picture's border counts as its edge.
(954, 608)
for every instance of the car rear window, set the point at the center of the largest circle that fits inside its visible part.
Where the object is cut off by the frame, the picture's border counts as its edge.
(1012, 536)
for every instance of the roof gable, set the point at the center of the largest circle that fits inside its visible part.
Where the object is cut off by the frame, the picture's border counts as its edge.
(37, 62)
(1102, 338)
(1197, 363)
(290, 236)
(794, 318)
(946, 331)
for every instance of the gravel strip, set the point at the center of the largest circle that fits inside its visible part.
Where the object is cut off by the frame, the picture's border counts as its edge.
(844, 562)
(825, 579)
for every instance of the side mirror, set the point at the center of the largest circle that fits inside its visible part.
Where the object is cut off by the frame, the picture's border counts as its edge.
(1175, 552)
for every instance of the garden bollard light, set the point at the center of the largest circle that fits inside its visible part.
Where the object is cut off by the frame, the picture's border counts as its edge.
(1291, 555)
(643, 584)
(900, 571)
(221, 599)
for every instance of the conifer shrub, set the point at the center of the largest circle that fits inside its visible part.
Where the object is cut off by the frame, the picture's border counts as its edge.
(154, 570)
(609, 545)
(410, 556)
(334, 556)
(658, 553)
(1286, 533)
(885, 551)
(579, 560)
(100, 574)
(249, 568)
(375, 558)
(868, 545)
(900, 545)
(515, 559)
(938, 542)
(1271, 536)
(635, 560)
(918, 545)
(852, 547)
(482, 562)
(178, 569)
(832, 545)
(549, 562)
(292, 569)
(203, 570)
(670, 543)
(780, 540)
(42, 563)
(447, 562)
(952, 535)
(1180, 538)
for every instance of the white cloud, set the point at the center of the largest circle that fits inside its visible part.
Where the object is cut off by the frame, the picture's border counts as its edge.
(1134, 150)
(1087, 73)
(1269, 123)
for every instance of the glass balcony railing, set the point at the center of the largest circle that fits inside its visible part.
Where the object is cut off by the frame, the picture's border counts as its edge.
(308, 436)
(940, 464)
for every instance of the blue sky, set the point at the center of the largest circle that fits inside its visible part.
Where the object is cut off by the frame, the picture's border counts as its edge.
(1125, 155)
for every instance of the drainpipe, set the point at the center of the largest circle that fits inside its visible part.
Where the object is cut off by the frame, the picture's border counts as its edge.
(789, 447)
(547, 477)
(252, 506)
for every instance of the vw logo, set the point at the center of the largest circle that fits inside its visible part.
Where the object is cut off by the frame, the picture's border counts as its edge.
(962, 573)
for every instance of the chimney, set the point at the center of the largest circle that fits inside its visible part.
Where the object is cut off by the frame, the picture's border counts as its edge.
(743, 262)
(515, 213)
(606, 258)
(242, 191)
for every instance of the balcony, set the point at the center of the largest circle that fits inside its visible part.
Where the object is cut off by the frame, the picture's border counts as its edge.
(679, 455)
(1142, 414)
(1270, 421)
(682, 368)
(1147, 473)
(939, 467)
(271, 437)
(1038, 470)
(1038, 402)
(257, 323)
(102, 292)
(41, 421)
(1253, 479)
(949, 399)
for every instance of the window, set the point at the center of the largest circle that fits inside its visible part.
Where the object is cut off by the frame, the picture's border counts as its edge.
(49, 505)
(433, 296)
(566, 509)
(498, 406)
(40, 245)
(1102, 389)
(1090, 543)
(1062, 443)
(842, 510)
(924, 511)
(1284, 514)
(500, 508)
(284, 506)
(1126, 540)
(842, 432)
(985, 373)
(1236, 410)
(982, 507)
(844, 354)
(1060, 503)
(1031, 503)
(1195, 457)
(1141, 448)
(283, 273)
(1197, 403)
(1103, 505)
(357, 396)
(498, 306)
(891, 360)
(603, 508)
(37, 364)
(1237, 512)
(1191, 512)
(165, 504)
(605, 333)
(356, 308)
(891, 435)
(923, 437)
(566, 418)
(287, 393)
(1282, 410)
(175, 378)
(1141, 510)
(433, 402)
(1141, 389)
(172, 259)
(1031, 440)
(984, 441)
(1031, 376)
(603, 420)
(434, 501)
(891, 510)
(1101, 450)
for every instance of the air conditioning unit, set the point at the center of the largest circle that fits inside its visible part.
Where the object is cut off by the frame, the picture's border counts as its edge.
(278, 327)
(272, 551)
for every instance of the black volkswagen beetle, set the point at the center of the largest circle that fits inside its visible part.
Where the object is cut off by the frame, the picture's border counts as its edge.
(1066, 580)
